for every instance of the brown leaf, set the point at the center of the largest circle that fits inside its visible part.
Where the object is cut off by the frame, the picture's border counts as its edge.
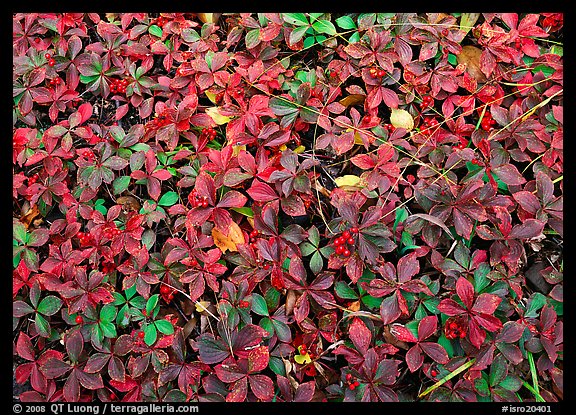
(208, 17)
(228, 242)
(29, 216)
(290, 301)
(128, 203)
(352, 99)
(470, 56)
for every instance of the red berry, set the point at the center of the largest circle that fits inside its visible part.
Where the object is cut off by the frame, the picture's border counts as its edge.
(79, 319)
(354, 229)
(340, 249)
(356, 383)
(266, 266)
(165, 289)
(47, 55)
(348, 376)
(51, 62)
(193, 262)
(433, 373)
(352, 387)
(350, 241)
(141, 334)
(346, 234)
(112, 396)
(171, 297)
(381, 73)
(204, 203)
(346, 253)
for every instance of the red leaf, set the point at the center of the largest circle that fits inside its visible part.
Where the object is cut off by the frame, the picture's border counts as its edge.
(402, 333)
(233, 199)
(262, 386)
(450, 307)
(427, 327)
(531, 228)
(486, 303)
(258, 359)
(487, 321)
(360, 335)
(24, 347)
(408, 266)
(435, 351)
(414, 358)
(390, 309)
(465, 291)
(476, 334)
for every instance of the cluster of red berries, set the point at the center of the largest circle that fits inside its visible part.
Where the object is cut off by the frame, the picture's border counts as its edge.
(196, 200)
(346, 238)
(193, 262)
(85, 238)
(476, 162)
(167, 293)
(427, 101)
(55, 81)
(243, 304)
(51, 61)
(88, 155)
(303, 350)
(33, 179)
(377, 73)
(118, 86)
(111, 231)
(431, 123)
(487, 122)
(108, 267)
(352, 383)
(455, 328)
(208, 133)
(159, 121)
(389, 127)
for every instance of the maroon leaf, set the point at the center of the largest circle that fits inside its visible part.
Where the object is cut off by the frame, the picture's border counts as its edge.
(465, 291)
(360, 335)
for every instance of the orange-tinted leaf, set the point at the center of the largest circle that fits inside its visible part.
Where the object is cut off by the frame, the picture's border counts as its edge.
(228, 242)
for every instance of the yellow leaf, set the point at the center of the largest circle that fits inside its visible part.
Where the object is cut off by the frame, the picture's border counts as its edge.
(228, 242)
(202, 306)
(302, 359)
(211, 96)
(357, 139)
(350, 182)
(236, 149)
(299, 149)
(401, 119)
(352, 99)
(218, 118)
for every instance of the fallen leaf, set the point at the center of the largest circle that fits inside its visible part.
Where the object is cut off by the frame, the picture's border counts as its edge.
(350, 182)
(352, 99)
(354, 306)
(202, 306)
(128, 203)
(228, 242)
(470, 57)
(290, 301)
(208, 17)
(401, 119)
(29, 216)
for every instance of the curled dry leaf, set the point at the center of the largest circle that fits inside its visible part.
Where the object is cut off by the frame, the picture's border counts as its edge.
(352, 99)
(290, 301)
(470, 57)
(128, 203)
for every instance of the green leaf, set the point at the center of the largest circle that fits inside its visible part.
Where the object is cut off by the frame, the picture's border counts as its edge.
(314, 16)
(246, 211)
(42, 325)
(19, 232)
(354, 38)
(266, 324)
(324, 26)
(536, 303)
(345, 292)
(277, 366)
(447, 345)
(259, 305)
(401, 216)
(164, 327)
(252, 38)
(346, 22)
(482, 386)
(168, 199)
(99, 206)
(151, 304)
(272, 297)
(120, 184)
(306, 248)
(481, 280)
(150, 334)
(282, 331)
(298, 19)
(316, 263)
(309, 42)
(297, 34)
(281, 106)
(108, 313)
(452, 59)
(108, 329)
(123, 317)
(49, 305)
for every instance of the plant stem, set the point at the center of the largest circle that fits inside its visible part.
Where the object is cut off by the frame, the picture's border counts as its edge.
(448, 377)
